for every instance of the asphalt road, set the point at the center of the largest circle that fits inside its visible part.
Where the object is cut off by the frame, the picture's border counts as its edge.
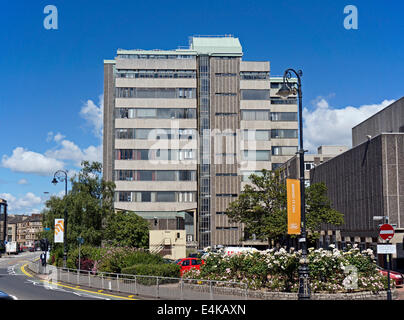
(19, 284)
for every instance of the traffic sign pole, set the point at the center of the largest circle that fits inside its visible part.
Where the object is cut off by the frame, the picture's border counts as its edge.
(386, 232)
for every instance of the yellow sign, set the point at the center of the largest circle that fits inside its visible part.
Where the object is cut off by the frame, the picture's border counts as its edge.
(294, 214)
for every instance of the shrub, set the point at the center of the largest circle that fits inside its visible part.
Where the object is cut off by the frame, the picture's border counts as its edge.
(158, 270)
(277, 270)
(115, 259)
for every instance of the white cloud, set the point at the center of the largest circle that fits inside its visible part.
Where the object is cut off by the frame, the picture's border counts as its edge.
(22, 181)
(58, 137)
(25, 204)
(69, 151)
(93, 114)
(326, 125)
(26, 161)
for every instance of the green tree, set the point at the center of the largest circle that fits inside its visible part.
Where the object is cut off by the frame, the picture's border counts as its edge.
(127, 229)
(261, 206)
(319, 211)
(88, 204)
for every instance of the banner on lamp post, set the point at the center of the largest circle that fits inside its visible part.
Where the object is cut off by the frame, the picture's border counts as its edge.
(294, 206)
(59, 230)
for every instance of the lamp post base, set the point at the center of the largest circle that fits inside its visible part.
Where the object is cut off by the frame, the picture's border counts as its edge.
(304, 287)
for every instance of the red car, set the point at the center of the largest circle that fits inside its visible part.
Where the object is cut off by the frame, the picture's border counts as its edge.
(189, 263)
(395, 276)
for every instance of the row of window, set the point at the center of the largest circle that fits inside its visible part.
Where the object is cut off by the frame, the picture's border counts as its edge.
(189, 154)
(267, 115)
(189, 134)
(254, 75)
(154, 154)
(156, 93)
(155, 175)
(155, 134)
(190, 113)
(155, 196)
(276, 85)
(225, 74)
(176, 74)
(277, 100)
(155, 56)
(155, 113)
(190, 93)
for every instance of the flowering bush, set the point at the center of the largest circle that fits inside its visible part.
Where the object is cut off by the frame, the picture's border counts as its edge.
(277, 270)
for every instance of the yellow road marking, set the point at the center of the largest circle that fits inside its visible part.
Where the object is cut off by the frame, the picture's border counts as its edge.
(75, 288)
(25, 272)
(100, 290)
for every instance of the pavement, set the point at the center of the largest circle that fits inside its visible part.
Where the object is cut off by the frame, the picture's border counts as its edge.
(400, 293)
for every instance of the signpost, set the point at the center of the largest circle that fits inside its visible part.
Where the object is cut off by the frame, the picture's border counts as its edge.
(386, 232)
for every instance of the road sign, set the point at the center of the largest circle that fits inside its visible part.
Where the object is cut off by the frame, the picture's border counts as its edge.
(386, 249)
(80, 240)
(386, 232)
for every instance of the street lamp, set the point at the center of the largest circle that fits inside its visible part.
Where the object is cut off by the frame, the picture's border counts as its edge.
(285, 91)
(60, 176)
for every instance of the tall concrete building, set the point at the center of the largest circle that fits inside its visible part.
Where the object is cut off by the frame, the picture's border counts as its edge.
(184, 128)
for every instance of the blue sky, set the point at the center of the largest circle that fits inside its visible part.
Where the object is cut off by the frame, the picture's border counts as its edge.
(52, 79)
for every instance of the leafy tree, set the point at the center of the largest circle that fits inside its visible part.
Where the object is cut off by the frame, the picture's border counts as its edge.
(88, 204)
(261, 206)
(319, 211)
(127, 229)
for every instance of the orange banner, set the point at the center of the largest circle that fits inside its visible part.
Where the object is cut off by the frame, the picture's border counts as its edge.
(294, 214)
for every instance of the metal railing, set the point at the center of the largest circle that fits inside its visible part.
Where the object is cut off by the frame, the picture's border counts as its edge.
(145, 286)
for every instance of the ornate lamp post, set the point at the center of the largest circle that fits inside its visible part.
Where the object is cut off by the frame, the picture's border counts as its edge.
(60, 176)
(285, 91)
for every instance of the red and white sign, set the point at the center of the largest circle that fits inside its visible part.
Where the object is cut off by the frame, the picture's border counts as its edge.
(386, 232)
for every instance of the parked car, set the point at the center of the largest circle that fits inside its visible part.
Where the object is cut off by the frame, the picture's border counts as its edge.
(166, 260)
(5, 296)
(189, 263)
(395, 276)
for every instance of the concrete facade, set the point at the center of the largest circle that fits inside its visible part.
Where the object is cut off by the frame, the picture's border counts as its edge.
(363, 182)
(390, 119)
(220, 94)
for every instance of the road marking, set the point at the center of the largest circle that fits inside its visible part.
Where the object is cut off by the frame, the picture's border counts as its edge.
(75, 288)
(100, 291)
(25, 272)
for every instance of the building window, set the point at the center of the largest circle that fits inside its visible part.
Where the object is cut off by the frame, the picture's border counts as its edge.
(251, 115)
(226, 94)
(154, 154)
(252, 94)
(284, 133)
(256, 135)
(278, 100)
(156, 93)
(283, 151)
(256, 155)
(155, 113)
(283, 116)
(155, 74)
(246, 175)
(225, 74)
(254, 75)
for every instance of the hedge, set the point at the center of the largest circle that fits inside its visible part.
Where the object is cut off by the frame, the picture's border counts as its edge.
(159, 270)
